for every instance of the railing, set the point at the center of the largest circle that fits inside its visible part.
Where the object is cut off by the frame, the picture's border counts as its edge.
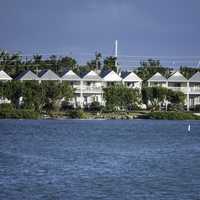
(88, 89)
(185, 89)
(179, 89)
(158, 85)
(134, 87)
(92, 89)
(195, 89)
(76, 86)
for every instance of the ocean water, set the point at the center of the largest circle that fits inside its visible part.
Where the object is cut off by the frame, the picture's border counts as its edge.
(112, 160)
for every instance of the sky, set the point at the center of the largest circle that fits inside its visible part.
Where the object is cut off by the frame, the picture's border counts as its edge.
(169, 29)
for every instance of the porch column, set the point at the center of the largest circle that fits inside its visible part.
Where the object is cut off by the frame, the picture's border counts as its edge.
(166, 101)
(188, 97)
(81, 94)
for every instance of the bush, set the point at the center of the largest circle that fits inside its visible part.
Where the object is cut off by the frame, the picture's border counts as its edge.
(76, 114)
(66, 106)
(197, 108)
(6, 107)
(172, 116)
(27, 114)
(18, 114)
(175, 107)
(95, 106)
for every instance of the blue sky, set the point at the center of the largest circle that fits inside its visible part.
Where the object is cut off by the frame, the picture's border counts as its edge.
(78, 27)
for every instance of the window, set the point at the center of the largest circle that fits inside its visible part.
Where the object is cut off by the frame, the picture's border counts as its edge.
(88, 83)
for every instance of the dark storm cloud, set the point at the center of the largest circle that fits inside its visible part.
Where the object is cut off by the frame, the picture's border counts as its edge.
(143, 27)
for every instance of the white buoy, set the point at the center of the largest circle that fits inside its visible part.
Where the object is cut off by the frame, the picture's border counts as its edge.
(189, 128)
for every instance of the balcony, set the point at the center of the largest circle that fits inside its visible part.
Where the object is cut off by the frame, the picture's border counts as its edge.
(89, 89)
(194, 90)
(179, 89)
(92, 89)
(157, 84)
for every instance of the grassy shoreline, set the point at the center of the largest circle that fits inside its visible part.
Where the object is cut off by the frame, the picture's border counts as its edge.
(80, 114)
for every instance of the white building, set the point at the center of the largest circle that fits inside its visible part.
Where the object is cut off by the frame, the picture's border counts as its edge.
(177, 82)
(194, 90)
(75, 81)
(131, 80)
(48, 75)
(157, 80)
(110, 78)
(4, 76)
(72, 78)
(91, 88)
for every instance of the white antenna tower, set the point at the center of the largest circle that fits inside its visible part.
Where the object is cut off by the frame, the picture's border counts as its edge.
(198, 65)
(116, 53)
(173, 64)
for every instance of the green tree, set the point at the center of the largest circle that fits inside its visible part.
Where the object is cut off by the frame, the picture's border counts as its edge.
(121, 97)
(14, 91)
(188, 72)
(67, 63)
(32, 96)
(149, 68)
(95, 63)
(177, 99)
(153, 97)
(53, 92)
(109, 63)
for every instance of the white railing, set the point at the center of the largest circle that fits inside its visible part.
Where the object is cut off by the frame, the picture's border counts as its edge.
(88, 89)
(76, 86)
(179, 89)
(92, 89)
(194, 89)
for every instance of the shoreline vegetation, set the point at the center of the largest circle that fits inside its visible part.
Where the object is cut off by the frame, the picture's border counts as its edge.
(81, 114)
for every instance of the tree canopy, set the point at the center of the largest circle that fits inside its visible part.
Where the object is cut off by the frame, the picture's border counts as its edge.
(119, 97)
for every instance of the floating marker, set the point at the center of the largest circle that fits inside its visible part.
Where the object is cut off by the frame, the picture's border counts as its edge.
(189, 128)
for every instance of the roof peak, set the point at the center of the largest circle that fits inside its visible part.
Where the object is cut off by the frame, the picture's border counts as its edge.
(158, 77)
(177, 77)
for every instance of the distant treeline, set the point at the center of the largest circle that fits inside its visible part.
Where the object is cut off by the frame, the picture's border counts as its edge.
(13, 64)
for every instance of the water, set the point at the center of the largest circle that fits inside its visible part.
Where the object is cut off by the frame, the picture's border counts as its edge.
(112, 160)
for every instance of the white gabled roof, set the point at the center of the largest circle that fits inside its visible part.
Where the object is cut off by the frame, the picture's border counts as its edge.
(157, 77)
(112, 77)
(27, 76)
(92, 76)
(70, 76)
(48, 75)
(195, 78)
(4, 76)
(177, 77)
(132, 77)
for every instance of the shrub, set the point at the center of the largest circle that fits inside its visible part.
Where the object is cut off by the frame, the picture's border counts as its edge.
(6, 107)
(18, 114)
(197, 108)
(27, 114)
(172, 116)
(66, 106)
(95, 106)
(76, 114)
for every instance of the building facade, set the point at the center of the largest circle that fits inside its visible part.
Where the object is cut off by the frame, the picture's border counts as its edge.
(177, 82)
(89, 87)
